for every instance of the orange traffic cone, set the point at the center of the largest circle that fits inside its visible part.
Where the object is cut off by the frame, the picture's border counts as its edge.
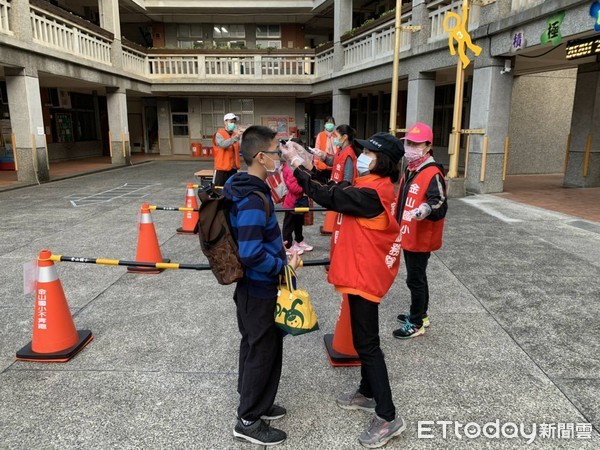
(339, 346)
(55, 338)
(147, 249)
(330, 218)
(190, 218)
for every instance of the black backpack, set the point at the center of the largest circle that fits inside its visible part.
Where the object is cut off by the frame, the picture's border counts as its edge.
(216, 237)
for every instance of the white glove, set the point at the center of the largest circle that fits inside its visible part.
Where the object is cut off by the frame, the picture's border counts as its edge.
(318, 153)
(421, 212)
(290, 150)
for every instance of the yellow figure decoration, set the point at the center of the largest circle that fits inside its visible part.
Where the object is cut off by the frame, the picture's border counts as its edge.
(460, 34)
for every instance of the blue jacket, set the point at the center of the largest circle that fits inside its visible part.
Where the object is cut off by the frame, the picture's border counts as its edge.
(259, 238)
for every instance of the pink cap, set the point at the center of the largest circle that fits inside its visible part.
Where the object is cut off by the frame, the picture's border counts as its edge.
(419, 132)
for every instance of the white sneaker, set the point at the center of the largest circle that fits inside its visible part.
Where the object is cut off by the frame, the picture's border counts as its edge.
(304, 246)
(297, 248)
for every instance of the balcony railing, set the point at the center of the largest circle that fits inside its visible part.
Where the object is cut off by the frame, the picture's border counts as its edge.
(438, 12)
(376, 43)
(324, 63)
(58, 33)
(4, 24)
(221, 66)
(520, 5)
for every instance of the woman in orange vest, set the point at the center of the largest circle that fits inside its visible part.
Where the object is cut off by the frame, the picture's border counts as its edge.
(324, 142)
(226, 150)
(343, 166)
(365, 259)
(422, 207)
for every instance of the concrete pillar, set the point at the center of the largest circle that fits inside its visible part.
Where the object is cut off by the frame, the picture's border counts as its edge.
(120, 147)
(585, 130)
(110, 20)
(420, 16)
(27, 123)
(420, 98)
(490, 110)
(342, 22)
(164, 127)
(20, 21)
(341, 106)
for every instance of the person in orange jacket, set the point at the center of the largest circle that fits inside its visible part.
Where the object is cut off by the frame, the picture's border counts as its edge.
(324, 142)
(226, 149)
(365, 257)
(422, 205)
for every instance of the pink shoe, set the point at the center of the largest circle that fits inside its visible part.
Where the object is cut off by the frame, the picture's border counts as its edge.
(304, 246)
(297, 248)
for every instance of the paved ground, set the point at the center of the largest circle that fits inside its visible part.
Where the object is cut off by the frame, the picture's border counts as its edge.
(515, 333)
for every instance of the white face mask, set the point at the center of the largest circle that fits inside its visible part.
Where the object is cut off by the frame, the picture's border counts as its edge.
(276, 169)
(412, 153)
(362, 164)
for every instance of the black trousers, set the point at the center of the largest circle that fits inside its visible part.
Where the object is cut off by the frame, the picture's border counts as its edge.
(416, 280)
(292, 223)
(260, 353)
(221, 176)
(374, 383)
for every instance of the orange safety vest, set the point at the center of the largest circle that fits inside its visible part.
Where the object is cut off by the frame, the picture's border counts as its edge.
(339, 162)
(228, 158)
(321, 144)
(420, 235)
(365, 253)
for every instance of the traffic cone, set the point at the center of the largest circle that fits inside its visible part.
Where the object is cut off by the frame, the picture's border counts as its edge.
(55, 338)
(339, 346)
(147, 248)
(330, 218)
(190, 218)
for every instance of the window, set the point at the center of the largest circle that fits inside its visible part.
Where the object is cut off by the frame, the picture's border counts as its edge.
(268, 31)
(189, 35)
(213, 111)
(229, 31)
(179, 116)
(268, 44)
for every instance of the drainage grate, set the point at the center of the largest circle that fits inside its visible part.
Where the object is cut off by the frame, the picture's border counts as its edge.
(128, 190)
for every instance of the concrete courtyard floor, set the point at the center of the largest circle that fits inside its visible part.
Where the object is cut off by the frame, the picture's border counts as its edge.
(514, 337)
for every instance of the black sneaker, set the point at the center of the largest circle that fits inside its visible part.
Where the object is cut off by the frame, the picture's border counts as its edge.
(275, 412)
(402, 318)
(258, 433)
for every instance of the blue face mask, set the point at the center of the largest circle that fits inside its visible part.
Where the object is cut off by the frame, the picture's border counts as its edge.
(230, 126)
(362, 164)
(336, 142)
(329, 127)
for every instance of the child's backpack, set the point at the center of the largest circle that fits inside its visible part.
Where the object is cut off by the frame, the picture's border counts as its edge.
(216, 237)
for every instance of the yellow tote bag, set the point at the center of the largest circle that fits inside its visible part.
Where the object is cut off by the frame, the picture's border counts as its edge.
(294, 312)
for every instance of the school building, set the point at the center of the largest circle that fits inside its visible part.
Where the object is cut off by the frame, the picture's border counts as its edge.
(89, 78)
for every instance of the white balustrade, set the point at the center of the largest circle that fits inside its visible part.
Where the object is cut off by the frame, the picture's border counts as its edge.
(134, 61)
(324, 63)
(519, 5)
(52, 31)
(376, 43)
(4, 23)
(439, 10)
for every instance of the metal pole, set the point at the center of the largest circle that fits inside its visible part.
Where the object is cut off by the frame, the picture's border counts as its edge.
(395, 70)
(453, 148)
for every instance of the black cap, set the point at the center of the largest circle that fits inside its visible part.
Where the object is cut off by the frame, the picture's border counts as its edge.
(384, 143)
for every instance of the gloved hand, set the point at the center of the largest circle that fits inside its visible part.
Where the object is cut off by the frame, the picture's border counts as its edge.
(292, 153)
(318, 153)
(421, 212)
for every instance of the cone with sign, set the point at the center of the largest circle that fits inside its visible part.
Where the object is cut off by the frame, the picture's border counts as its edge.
(330, 218)
(147, 248)
(339, 346)
(55, 338)
(190, 218)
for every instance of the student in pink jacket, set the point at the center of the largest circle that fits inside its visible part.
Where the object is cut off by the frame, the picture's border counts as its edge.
(293, 222)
